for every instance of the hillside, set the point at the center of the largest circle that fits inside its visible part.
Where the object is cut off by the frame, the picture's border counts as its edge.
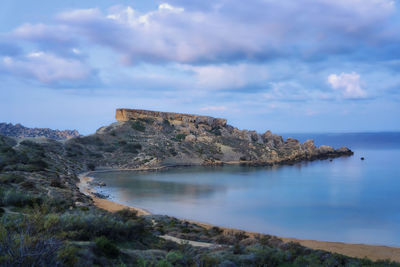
(46, 221)
(20, 131)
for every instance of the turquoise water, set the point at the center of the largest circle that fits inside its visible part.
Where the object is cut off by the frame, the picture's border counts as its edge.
(346, 199)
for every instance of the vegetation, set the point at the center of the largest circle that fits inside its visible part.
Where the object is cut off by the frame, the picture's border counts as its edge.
(132, 148)
(138, 126)
(180, 137)
(46, 221)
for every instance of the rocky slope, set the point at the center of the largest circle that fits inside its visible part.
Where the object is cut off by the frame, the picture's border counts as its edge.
(143, 138)
(20, 131)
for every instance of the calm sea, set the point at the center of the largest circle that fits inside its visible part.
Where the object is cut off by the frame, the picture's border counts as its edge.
(345, 199)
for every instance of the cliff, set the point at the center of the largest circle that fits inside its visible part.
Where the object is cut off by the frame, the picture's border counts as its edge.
(152, 139)
(123, 115)
(19, 131)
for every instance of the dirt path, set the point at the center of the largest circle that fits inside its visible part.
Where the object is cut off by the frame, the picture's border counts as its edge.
(190, 242)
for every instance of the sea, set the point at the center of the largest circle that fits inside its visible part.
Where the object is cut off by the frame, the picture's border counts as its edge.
(345, 199)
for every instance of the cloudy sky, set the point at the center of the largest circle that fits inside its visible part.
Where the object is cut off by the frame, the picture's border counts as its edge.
(288, 66)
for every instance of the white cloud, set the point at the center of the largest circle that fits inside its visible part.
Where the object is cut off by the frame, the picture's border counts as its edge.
(174, 34)
(228, 76)
(80, 14)
(42, 32)
(168, 7)
(46, 67)
(348, 84)
(213, 108)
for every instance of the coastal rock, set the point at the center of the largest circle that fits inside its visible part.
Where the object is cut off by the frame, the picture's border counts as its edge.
(190, 138)
(20, 131)
(326, 149)
(273, 140)
(344, 150)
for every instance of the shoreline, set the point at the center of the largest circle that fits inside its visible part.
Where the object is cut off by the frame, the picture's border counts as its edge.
(373, 252)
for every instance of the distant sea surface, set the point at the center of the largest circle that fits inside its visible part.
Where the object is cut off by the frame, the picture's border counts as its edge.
(347, 199)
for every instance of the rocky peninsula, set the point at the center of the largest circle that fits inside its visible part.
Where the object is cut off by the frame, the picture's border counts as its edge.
(151, 139)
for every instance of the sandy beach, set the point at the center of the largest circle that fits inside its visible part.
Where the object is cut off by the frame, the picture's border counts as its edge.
(373, 252)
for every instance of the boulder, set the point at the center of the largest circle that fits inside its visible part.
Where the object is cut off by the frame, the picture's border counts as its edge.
(326, 149)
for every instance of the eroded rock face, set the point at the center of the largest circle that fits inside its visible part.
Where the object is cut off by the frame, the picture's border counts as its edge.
(132, 114)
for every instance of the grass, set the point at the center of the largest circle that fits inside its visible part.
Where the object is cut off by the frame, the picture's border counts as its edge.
(138, 126)
(180, 137)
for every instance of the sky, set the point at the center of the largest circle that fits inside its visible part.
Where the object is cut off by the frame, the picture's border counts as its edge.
(286, 66)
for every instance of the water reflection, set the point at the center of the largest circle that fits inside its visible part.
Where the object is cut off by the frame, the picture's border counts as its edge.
(343, 200)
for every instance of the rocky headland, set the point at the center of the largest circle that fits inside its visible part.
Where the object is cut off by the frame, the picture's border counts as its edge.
(20, 131)
(151, 139)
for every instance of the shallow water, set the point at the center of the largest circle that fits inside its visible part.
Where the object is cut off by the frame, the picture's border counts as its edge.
(345, 199)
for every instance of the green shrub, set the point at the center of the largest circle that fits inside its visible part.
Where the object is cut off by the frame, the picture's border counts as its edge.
(57, 183)
(91, 166)
(106, 247)
(25, 242)
(88, 225)
(39, 163)
(89, 140)
(174, 257)
(180, 137)
(216, 131)
(131, 148)
(109, 148)
(146, 120)
(237, 249)
(127, 214)
(20, 199)
(138, 126)
(11, 178)
(28, 185)
(68, 255)
(122, 142)
(163, 263)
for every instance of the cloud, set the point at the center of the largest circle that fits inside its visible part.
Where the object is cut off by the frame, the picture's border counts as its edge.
(225, 32)
(348, 84)
(213, 108)
(228, 76)
(230, 46)
(45, 67)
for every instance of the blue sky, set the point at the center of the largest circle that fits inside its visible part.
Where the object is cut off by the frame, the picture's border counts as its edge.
(288, 66)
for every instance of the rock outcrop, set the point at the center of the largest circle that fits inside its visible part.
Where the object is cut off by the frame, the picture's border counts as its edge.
(155, 139)
(19, 131)
(133, 114)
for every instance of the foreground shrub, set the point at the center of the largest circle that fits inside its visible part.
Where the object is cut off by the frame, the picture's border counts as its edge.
(24, 242)
(106, 247)
(87, 226)
(8, 178)
(127, 214)
(19, 199)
